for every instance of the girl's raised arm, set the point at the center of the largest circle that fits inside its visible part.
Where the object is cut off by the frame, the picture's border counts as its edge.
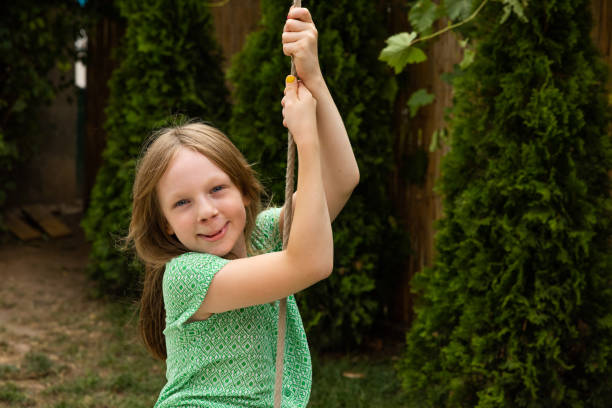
(340, 171)
(308, 257)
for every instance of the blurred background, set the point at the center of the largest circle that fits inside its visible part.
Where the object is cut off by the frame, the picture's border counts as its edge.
(84, 83)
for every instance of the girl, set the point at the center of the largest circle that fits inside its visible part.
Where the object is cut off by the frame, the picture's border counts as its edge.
(214, 263)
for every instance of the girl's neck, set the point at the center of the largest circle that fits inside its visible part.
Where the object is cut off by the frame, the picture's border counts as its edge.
(239, 251)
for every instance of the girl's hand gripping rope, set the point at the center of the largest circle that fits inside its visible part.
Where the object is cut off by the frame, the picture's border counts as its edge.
(299, 111)
(300, 41)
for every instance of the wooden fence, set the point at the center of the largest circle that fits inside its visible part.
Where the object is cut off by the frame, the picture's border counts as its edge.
(602, 30)
(233, 21)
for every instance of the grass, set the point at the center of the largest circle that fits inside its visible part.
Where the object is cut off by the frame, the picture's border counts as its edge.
(8, 371)
(355, 381)
(37, 364)
(119, 372)
(12, 394)
(33, 366)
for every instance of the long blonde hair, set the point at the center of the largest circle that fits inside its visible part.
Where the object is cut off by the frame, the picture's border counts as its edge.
(153, 245)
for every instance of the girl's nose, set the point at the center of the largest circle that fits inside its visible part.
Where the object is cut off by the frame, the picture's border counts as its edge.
(206, 209)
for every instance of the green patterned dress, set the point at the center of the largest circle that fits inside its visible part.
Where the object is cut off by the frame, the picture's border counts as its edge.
(229, 359)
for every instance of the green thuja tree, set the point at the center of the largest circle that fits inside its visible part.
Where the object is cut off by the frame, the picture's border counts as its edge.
(517, 310)
(342, 308)
(170, 65)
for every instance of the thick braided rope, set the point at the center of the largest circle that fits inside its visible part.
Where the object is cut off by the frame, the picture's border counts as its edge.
(288, 217)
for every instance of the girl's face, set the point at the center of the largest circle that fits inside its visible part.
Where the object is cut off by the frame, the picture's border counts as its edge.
(202, 206)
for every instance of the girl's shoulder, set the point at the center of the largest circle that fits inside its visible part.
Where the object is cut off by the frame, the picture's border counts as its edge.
(185, 283)
(191, 258)
(267, 234)
(183, 266)
(268, 216)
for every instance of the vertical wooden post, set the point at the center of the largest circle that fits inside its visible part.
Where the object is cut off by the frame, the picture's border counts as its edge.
(602, 37)
(233, 22)
(102, 39)
(416, 202)
(602, 30)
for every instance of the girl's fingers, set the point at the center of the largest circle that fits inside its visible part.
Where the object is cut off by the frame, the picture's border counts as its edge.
(303, 91)
(300, 13)
(297, 25)
(290, 48)
(290, 87)
(292, 36)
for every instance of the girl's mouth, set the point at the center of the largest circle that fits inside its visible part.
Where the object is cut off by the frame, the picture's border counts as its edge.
(216, 236)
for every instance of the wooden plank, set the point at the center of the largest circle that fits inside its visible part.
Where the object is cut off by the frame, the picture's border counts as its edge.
(47, 221)
(19, 227)
(419, 206)
(233, 21)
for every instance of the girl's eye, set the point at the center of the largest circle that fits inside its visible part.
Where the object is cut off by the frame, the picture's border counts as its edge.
(217, 189)
(180, 203)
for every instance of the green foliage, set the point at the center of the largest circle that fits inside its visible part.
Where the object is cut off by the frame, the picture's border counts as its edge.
(170, 65)
(456, 9)
(423, 14)
(401, 50)
(35, 37)
(516, 311)
(418, 99)
(341, 309)
(398, 53)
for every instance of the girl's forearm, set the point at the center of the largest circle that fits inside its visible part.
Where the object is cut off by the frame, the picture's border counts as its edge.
(340, 170)
(311, 242)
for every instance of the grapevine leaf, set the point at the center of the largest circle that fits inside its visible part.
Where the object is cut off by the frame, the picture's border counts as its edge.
(422, 15)
(468, 58)
(514, 6)
(399, 52)
(416, 55)
(418, 99)
(458, 9)
(434, 141)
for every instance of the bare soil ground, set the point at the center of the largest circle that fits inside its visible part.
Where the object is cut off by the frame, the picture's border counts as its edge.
(42, 286)
(59, 346)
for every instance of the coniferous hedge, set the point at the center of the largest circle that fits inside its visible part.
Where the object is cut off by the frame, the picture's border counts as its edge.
(342, 308)
(170, 65)
(517, 311)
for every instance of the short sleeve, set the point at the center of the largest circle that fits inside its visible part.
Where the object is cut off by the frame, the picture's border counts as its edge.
(267, 235)
(185, 283)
